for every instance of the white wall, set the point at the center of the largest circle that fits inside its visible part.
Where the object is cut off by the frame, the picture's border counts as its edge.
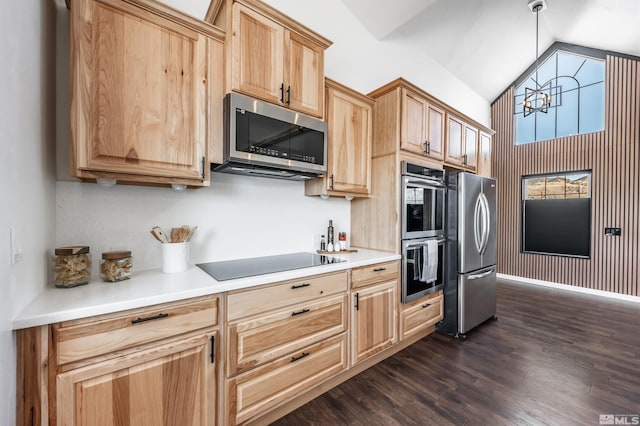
(237, 217)
(27, 130)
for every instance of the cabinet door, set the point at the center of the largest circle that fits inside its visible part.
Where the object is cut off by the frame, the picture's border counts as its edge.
(413, 136)
(139, 92)
(374, 320)
(349, 148)
(258, 55)
(484, 157)
(470, 158)
(455, 148)
(435, 134)
(172, 384)
(304, 68)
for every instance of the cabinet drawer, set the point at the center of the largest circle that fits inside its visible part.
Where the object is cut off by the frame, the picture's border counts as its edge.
(256, 391)
(260, 300)
(263, 338)
(82, 339)
(421, 315)
(372, 274)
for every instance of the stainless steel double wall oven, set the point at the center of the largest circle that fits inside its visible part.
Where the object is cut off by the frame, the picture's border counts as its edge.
(423, 230)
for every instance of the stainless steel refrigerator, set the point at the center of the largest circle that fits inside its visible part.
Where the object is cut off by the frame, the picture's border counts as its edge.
(470, 283)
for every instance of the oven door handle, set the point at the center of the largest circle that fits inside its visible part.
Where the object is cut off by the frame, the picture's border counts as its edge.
(416, 245)
(426, 184)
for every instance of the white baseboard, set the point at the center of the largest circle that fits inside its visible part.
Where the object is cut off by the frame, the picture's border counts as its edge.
(577, 289)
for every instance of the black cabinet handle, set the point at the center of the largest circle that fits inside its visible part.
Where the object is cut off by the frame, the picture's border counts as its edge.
(304, 311)
(203, 167)
(282, 93)
(293, 287)
(357, 301)
(295, 358)
(213, 349)
(464, 159)
(155, 317)
(331, 181)
(288, 95)
(379, 269)
(426, 305)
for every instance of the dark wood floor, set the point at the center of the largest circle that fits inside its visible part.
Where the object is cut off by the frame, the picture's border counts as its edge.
(553, 357)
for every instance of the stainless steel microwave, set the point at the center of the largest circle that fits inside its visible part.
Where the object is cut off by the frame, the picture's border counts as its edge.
(263, 139)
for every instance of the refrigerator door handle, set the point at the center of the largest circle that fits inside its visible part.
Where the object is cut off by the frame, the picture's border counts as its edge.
(486, 223)
(482, 275)
(478, 235)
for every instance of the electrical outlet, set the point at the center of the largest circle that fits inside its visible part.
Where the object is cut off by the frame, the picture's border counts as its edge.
(15, 239)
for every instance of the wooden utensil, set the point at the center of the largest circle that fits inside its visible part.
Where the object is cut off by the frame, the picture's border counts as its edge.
(191, 232)
(175, 235)
(157, 231)
(154, 235)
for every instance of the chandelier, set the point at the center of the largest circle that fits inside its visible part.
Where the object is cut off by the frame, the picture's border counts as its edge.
(537, 99)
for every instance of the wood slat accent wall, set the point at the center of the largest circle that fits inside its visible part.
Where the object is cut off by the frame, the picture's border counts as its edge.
(612, 155)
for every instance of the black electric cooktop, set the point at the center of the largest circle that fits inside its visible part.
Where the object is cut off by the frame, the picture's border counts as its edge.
(241, 268)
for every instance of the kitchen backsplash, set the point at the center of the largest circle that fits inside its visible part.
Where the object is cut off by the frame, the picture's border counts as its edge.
(237, 217)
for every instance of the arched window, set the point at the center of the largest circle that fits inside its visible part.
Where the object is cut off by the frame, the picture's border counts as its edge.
(576, 85)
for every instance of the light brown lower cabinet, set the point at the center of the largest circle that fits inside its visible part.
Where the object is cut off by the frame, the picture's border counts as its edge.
(421, 315)
(255, 392)
(373, 320)
(279, 346)
(172, 384)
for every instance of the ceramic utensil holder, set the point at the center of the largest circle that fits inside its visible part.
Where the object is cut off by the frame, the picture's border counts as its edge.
(175, 257)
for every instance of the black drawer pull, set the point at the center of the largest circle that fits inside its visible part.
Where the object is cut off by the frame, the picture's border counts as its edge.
(304, 311)
(379, 269)
(293, 287)
(155, 317)
(426, 305)
(295, 358)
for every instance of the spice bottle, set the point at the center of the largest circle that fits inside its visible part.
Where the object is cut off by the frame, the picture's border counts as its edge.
(71, 266)
(330, 239)
(323, 244)
(342, 240)
(116, 265)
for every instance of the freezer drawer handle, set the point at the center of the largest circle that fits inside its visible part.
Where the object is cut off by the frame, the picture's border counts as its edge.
(482, 275)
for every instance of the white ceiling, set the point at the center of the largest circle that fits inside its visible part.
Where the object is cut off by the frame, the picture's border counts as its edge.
(488, 43)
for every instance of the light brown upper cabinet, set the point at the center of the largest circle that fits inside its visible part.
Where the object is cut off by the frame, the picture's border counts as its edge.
(484, 155)
(349, 116)
(142, 77)
(273, 58)
(462, 144)
(422, 126)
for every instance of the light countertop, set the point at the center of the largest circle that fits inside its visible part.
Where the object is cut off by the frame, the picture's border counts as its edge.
(152, 287)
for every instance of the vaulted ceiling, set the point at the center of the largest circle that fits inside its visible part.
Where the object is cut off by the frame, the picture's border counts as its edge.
(488, 43)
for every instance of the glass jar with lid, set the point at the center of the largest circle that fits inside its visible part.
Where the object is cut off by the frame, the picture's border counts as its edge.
(71, 266)
(116, 265)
